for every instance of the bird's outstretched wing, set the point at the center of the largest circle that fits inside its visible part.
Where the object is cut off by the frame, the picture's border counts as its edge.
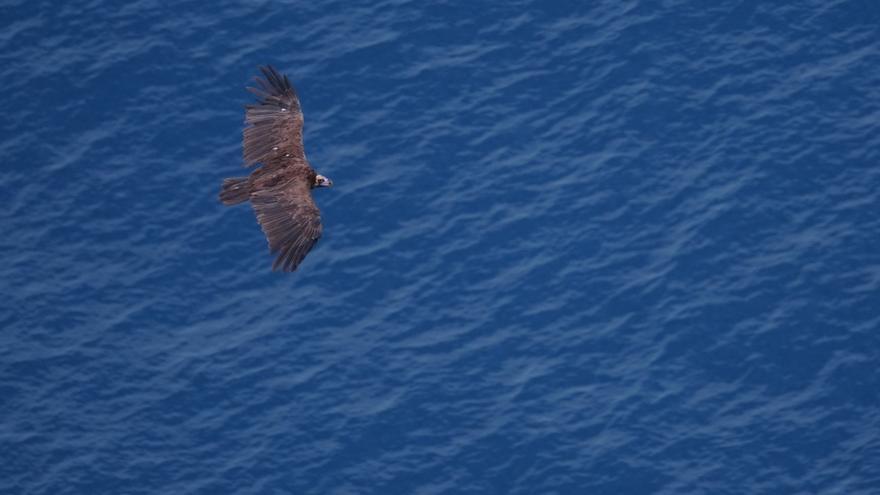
(291, 221)
(273, 136)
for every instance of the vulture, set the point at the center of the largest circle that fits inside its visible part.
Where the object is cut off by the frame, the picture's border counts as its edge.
(280, 189)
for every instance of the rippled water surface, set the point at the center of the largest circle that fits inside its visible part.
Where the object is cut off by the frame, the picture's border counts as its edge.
(614, 248)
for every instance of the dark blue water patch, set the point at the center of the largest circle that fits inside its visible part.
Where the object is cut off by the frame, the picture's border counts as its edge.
(609, 248)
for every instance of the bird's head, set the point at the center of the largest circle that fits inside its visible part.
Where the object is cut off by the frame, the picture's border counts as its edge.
(321, 181)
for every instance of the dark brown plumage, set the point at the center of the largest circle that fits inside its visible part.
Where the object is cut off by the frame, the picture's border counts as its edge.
(279, 190)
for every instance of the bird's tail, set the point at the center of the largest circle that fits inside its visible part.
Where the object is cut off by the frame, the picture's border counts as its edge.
(235, 190)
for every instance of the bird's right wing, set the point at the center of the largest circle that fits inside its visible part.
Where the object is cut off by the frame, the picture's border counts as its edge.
(291, 221)
(275, 123)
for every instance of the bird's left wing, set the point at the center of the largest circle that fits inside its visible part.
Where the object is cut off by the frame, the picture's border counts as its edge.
(273, 136)
(291, 221)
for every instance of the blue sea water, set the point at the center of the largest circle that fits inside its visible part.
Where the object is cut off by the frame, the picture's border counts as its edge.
(608, 247)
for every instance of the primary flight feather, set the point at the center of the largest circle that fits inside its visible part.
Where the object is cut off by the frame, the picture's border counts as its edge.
(280, 190)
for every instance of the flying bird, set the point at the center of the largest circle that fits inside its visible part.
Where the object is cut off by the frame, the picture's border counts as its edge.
(280, 190)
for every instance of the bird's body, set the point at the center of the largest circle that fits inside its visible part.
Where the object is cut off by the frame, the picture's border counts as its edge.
(279, 190)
